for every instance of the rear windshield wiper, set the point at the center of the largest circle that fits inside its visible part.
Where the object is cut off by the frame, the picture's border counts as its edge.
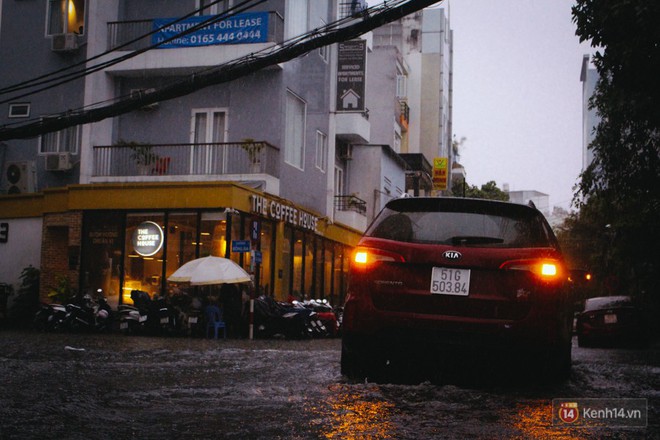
(470, 239)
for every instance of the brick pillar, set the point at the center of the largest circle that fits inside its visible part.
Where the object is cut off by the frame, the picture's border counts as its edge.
(60, 250)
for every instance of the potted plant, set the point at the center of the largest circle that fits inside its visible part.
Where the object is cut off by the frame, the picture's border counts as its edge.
(253, 149)
(142, 154)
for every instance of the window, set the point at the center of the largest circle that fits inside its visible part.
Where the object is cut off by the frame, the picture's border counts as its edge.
(212, 7)
(65, 16)
(297, 18)
(294, 135)
(19, 110)
(324, 51)
(208, 127)
(401, 83)
(339, 181)
(321, 150)
(67, 140)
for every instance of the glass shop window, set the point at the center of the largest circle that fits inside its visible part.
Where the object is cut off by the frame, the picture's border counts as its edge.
(213, 234)
(101, 258)
(181, 240)
(143, 262)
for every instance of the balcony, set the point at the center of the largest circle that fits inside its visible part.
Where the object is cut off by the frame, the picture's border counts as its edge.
(404, 115)
(353, 127)
(183, 57)
(238, 161)
(351, 211)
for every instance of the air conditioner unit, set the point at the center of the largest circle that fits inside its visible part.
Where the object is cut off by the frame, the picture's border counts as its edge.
(64, 42)
(58, 162)
(20, 177)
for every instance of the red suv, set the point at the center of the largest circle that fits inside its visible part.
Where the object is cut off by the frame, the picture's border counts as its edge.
(445, 279)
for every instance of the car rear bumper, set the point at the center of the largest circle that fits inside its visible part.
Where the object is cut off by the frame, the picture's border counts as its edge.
(545, 324)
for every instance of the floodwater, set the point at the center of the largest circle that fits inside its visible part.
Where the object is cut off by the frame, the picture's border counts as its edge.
(70, 386)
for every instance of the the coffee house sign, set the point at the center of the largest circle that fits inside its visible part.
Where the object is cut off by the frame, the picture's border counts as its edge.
(147, 239)
(286, 213)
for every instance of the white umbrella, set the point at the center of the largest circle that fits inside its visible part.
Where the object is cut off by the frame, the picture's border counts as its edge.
(210, 270)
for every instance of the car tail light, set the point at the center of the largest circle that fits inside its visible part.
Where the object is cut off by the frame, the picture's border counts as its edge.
(545, 269)
(365, 257)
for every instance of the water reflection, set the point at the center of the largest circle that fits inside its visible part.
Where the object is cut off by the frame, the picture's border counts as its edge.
(358, 411)
(533, 419)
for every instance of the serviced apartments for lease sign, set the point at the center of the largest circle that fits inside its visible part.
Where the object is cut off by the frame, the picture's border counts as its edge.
(249, 27)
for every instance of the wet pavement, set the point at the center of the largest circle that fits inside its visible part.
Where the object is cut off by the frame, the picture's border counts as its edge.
(70, 386)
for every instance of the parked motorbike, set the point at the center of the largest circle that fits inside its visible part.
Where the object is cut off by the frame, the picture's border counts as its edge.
(148, 316)
(49, 317)
(90, 315)
(287, 320)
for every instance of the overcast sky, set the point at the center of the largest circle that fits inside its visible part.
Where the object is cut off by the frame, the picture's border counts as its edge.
(517, 94)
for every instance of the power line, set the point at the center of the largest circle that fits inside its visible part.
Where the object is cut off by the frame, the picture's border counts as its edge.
(63, 79)
(298, 46)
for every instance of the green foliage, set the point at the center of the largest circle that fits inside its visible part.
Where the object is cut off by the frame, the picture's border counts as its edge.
(62, 292)
(487, 191)
(253, 149)
(142, 154)
(620, 188)
(26, 302)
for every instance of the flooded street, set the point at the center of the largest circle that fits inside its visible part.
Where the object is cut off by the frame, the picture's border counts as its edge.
(70, 386)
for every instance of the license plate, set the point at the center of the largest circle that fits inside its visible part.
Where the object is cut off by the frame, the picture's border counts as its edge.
(164, 320)
(192, 320)
(610, 318)
(450, 281)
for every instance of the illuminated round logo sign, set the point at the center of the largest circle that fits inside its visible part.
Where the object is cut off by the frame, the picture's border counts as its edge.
(147, 239)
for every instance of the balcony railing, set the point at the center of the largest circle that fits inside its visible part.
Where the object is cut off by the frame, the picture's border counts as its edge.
(350, 203)
(132, 159)
(137, 32)
(349, 8)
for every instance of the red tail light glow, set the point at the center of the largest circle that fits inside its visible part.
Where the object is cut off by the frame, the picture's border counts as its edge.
(363, 257)
(546, 269)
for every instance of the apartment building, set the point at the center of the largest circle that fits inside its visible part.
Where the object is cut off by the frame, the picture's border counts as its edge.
(419, 52)
(276, 169)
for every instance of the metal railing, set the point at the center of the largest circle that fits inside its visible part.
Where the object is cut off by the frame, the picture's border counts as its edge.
(136, 159)
(349, 8)
(350, 203)
(123, 32)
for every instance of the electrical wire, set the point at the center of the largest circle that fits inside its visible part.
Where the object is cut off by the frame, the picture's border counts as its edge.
(290, 49)
(63, 79)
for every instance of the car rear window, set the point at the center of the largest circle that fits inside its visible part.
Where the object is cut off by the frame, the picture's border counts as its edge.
(601, 303)
(461, 222)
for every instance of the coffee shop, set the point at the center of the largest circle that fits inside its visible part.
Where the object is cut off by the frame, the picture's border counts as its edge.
(121, 237)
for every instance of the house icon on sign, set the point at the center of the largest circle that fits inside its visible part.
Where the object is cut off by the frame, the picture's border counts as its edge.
(349, 99)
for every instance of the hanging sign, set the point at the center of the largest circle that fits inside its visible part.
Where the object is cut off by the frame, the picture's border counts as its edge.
(440, 173)
(240, 246)
(246, 28)
(351, 66)
(147, 239)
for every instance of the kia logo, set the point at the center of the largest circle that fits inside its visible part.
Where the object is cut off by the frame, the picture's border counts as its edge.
(452, 255)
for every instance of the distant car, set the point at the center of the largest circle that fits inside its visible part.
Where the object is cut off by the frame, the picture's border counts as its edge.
(436, 278)
(610, 320)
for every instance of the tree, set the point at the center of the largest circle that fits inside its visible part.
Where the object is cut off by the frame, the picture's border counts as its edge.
(488, 190)
(620, 187)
